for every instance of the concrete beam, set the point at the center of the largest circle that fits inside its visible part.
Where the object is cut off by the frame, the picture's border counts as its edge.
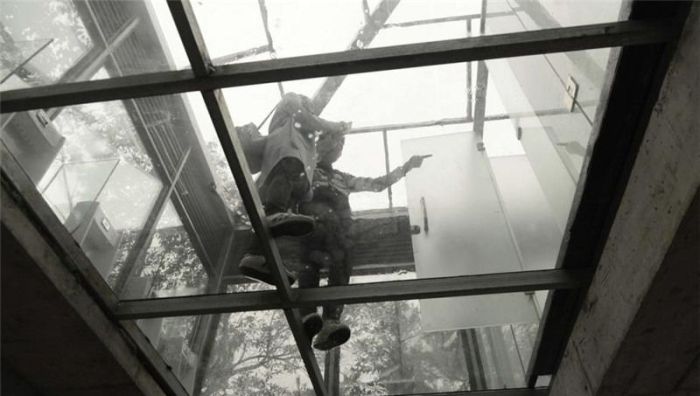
(55, 337)
(628, 289)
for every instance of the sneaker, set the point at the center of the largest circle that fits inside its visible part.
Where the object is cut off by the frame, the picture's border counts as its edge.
(289, 224)
(255, 266)
(312, 324)
(333, 334)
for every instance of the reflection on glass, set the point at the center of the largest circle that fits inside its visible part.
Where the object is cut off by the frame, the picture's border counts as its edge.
(88, 163)
(251, 353)
(102, 167)
(27, 26)
(170, 266)
(391, 352)
(49, 42)
(175, 339)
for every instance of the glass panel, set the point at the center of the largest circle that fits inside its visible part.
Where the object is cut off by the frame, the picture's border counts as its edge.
(93, 171)
(41, 41)
(250, 353)
(497, 204)
(126, 37)
(253, 30)
(101, 167)
(170, 266)
(396, 348)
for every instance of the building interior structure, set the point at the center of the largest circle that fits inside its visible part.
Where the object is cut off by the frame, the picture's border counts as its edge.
(549, 246)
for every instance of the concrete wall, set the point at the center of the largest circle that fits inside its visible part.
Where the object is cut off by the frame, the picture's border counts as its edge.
(638, 332)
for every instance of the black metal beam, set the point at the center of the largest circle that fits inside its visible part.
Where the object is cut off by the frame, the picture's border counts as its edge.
(629, 98)
(191, 37)
(338, 63)
(467, 285)
(221, 119)
(197, 53)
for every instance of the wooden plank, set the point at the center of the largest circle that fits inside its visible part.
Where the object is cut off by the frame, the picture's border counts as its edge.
(467, 285)
(338, 63)
(618, 133)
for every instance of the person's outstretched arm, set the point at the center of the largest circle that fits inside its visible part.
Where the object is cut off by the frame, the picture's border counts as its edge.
(377, 184)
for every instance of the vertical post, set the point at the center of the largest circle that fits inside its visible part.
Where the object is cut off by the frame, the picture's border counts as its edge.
(332, 372)
(470, 93)
(204, 344)
(504, 370)
(387, 167)
(482, 77)
(472, 357)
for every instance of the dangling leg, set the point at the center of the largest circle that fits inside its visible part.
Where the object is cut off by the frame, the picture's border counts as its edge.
(334, 332)
(308, 278)
(279, 193)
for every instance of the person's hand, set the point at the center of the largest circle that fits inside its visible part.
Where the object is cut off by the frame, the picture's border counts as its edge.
(414, 162)
(345, 126)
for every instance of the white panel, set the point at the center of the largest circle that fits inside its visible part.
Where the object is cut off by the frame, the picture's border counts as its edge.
(467, 232)
(535, 229)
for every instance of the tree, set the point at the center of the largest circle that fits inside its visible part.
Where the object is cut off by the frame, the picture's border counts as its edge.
(254, 354)
(59, 20)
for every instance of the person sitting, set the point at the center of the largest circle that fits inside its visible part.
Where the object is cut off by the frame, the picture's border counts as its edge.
(330, 244)
(288, 164)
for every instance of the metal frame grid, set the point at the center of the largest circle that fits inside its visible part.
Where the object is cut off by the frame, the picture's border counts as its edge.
(647, 39)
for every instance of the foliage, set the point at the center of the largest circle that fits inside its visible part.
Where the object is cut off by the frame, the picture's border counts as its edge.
(27, 24)
(173, 263)
(255, 354)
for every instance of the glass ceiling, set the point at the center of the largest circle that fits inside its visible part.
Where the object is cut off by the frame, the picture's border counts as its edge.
(144, 187)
